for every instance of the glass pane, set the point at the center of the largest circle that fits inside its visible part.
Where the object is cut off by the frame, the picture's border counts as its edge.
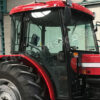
(16, 30)
(32, 33)
(81, 37)
(53, 39)
(77, 37)
(90, 45)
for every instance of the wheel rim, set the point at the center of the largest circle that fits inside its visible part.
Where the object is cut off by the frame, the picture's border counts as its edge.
(8, 91)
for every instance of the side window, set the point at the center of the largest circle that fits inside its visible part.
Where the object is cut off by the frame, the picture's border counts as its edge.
(82, 37)
(33, 35)
(90, 45)
(53, 39)
(18, 30)
(77, 36)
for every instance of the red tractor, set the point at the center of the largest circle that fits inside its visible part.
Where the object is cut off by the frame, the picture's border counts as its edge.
(54, 54)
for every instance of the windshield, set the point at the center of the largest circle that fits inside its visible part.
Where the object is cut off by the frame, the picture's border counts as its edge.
(81, 32)
(81, 37)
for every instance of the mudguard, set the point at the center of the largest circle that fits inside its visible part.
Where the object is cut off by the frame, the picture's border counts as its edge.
(28, 61)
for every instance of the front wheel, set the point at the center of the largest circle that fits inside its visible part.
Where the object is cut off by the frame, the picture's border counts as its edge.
(18, 83)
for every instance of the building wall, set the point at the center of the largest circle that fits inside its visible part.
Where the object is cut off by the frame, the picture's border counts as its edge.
(7, 29)
(13, 3)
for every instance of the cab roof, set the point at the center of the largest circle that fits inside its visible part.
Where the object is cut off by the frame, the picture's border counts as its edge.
(49, 4)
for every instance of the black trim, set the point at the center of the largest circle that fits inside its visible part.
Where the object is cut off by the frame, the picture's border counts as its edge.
(43, 35)
(66, 54)
(95, 38)
(22, 34)
(85, 52)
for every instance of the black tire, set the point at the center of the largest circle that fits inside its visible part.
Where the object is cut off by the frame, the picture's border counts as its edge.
(27, 84)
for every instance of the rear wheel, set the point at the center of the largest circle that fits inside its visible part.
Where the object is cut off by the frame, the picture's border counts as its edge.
(17, 82)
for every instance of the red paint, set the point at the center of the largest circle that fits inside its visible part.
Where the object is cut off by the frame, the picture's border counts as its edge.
(90, 71)
(35, 6)
(49, 4)
(91, 58)
(82, 9)
(74, 64)
(87, 58)
(41, 71)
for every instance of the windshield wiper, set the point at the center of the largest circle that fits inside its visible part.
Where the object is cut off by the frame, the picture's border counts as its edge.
(75, 25)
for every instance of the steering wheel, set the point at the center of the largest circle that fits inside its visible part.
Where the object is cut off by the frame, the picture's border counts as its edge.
(32, 52)
(33, 46)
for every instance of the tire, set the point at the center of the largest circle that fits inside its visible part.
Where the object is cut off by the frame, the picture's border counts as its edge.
(17, 82)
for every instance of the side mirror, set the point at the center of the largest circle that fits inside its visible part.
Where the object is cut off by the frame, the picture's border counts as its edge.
(96, 26)
(67, 15)
(34, 39)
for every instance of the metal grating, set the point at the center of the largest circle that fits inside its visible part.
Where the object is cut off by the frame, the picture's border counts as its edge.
(3, 6)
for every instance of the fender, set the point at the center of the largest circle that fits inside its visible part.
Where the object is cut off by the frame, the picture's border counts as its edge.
(39, 68)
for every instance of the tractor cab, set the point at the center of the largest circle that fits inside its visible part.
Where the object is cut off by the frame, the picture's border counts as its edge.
(56, 37)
